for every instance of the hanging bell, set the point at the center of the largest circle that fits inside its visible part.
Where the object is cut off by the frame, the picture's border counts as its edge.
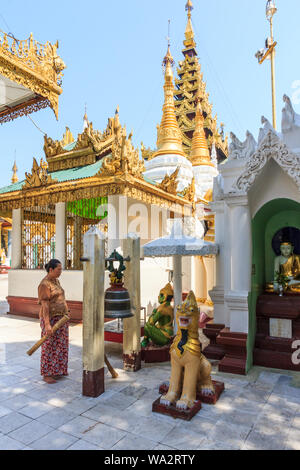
(117, 302)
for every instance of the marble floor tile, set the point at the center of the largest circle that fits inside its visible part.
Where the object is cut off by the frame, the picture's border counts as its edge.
(6, 443)
(81, 444)
(104, 436)
(78, 426)
(35, 409)
(259, 441)
(56, 418)
(12, 421)
(131, 442)
(55, 440)
(4, 409)
(30, 432)
(183, 440)
(229, 433)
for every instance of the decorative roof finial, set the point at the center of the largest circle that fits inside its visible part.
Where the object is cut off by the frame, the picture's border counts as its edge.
(168, 59)
(15, 178)
(85, 119)
(189, 32)
(189, 8)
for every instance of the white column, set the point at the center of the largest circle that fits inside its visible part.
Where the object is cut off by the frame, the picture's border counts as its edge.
(240, 255)
(60, 233)
(117, 221)
(16, 255)
(221, 312)
(241, 248)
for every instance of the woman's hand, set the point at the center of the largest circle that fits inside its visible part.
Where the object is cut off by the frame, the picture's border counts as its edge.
(49, 331)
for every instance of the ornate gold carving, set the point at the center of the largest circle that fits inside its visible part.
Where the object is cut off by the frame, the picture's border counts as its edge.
(38, 177)
(35, 66)
(89, 144)
(67, 138)
(52, 147)
(124, 159)
(170, 183)
(189, 192)
(147, 154)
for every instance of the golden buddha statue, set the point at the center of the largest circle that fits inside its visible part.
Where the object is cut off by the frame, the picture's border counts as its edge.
(287, 266)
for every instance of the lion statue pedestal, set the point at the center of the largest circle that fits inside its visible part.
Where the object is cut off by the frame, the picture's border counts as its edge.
(191, 381)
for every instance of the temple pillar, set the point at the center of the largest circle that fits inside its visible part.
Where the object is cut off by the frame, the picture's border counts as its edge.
(9, 233)
(241, 263)
(93, 313)
(132, 326)
(234, 339)
(77, 242)
(217, 294)
(117, 221)
(60, 233)
(16, 260)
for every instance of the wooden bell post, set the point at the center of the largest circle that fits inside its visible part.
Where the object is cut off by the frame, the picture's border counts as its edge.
(93, 313)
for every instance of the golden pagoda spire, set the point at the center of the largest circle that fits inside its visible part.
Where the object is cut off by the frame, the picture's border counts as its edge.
(15, 178)
(169, 137)
(199, 153)
(189, 32)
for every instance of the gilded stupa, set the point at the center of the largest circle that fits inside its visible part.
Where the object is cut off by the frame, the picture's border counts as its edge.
(204, 162)
(188, 85)
(169, 154)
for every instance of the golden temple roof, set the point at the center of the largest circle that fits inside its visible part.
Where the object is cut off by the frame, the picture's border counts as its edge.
(35, 70)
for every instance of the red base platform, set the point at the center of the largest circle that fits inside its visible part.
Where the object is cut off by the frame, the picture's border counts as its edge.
(155, 354)
(186, 415)
(211, 400)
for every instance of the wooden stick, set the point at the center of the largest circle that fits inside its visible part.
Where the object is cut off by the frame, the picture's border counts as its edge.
(114, 374)
(56, 327)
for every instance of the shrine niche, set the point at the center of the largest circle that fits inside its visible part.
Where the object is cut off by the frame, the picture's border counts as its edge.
(276, 280)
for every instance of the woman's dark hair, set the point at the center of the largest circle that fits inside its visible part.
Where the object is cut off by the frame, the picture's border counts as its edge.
(52, 265)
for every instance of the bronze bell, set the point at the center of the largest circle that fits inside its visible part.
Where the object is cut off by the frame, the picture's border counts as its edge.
(117, 301)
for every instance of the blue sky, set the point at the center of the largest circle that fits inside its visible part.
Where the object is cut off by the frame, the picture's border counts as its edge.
(113, 52)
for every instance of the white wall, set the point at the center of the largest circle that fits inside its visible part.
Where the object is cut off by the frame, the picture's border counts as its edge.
(24, 283)
(272, 183)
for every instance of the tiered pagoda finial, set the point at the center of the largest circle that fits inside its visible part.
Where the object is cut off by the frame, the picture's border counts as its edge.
(169, 137)
(15, 178)
(189, 32)
(187, 85)
(200, 154)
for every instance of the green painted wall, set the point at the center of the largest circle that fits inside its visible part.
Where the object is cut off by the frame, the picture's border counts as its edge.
(272, 217)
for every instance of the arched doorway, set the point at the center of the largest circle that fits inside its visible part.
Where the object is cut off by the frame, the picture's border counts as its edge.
(273, 218)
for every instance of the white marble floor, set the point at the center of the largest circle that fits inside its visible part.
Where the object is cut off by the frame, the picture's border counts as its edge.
(261, 411)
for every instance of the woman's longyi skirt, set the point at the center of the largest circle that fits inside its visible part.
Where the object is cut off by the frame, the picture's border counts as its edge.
(55, 351)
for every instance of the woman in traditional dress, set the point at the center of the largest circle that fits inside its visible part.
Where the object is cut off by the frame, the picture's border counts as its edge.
(54, 357)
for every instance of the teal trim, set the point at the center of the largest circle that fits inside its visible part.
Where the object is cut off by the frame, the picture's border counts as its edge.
(70, 146)
(61, 176)
(271, 218)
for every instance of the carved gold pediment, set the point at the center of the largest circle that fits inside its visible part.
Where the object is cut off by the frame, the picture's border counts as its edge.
(36, 67)
(38, 177)
(170, 183)
(124, 159)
